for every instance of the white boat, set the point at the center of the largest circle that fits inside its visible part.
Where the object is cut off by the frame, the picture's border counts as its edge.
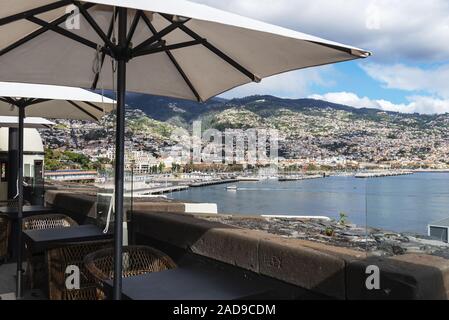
(231, 188)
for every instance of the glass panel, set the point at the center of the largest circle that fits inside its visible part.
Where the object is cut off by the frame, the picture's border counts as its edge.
(27, 170)
(37, 182)
(408, 225)
(105, 200)
(105, 181)
(3, 171)
(106, 184)
(403, 208)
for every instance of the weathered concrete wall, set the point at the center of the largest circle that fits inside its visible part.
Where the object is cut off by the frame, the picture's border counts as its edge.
(409, 276)
(252, 250)
(325, 269)
(154, 206)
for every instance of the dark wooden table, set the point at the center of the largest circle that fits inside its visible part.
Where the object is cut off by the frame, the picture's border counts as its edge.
(28, 211)
(41, 240)
(191, 282)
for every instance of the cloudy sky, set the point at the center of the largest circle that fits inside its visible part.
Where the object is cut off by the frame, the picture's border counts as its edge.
(409, 69)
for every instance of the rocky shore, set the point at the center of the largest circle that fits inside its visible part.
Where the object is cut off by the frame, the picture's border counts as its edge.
(375, 242)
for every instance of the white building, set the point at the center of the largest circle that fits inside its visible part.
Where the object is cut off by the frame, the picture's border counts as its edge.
(33, 157)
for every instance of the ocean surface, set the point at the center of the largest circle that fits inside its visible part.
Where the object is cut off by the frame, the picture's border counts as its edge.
(400, 203)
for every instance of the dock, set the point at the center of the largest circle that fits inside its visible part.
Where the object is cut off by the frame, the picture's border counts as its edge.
(299, 178)
(365, 175)
(213, 182)
(167, 189)
(248, 179)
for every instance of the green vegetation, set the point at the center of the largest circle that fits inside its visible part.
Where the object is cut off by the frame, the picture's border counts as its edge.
(145, 125)
(329, 232)
(343, 219)
(59, 160)
(237, 118)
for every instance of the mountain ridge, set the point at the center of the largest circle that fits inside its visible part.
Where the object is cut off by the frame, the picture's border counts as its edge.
(156, 106)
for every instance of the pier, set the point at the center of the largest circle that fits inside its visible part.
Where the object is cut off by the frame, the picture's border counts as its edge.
(365, 175)
(299, 178)
(167, 189)
(213, 182)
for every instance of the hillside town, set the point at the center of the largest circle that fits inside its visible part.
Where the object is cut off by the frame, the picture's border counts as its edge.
(312, 138)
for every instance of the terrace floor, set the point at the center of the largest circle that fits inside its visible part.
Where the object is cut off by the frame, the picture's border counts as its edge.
(8, 284)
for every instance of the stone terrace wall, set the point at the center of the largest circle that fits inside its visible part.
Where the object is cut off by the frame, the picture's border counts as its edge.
(332, 271)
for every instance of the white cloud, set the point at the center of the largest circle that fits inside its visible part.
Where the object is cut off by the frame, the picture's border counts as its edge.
(287, 85)
(418, 104)
(393, 29)
(434, 81)
(399, 33)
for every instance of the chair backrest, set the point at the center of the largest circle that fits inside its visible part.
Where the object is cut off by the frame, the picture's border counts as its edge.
(72, 254)
(48, 221)
(4, 235)
(136, 260)
(13, 203)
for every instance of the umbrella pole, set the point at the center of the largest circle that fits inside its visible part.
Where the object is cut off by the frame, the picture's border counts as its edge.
(19, 292)
(120, 153)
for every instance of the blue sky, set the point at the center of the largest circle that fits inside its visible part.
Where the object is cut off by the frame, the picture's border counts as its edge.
(409, 69)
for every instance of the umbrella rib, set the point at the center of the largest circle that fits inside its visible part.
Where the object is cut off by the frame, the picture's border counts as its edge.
(133, 27)
(174, 61)
(10, 100)
(103, 54)
(35, 11)
(159, 47)
(217, 51)
(90, 104)
(159, 35)
(36, 101)
(346, 50)
(93, 24)
(5, 100)
(63, 32)
(82, 110)
(184, 76)
(33, 35)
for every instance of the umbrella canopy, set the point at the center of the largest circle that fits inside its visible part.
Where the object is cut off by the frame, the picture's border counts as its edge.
(171, 48)
(53, 102)
(179, 48)
(13, 122)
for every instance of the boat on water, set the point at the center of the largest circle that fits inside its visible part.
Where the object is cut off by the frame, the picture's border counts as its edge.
(231, 188)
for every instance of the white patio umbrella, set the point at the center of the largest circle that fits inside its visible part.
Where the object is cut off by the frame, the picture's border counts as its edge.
(164, 47)
(34, 123)
(53, 102)
(50, 102)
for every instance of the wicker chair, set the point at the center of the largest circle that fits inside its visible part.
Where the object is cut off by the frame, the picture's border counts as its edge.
(13, 203)
(60, 258)
(4, 236)
(48, 221)
(35, 271)
(137, 260)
